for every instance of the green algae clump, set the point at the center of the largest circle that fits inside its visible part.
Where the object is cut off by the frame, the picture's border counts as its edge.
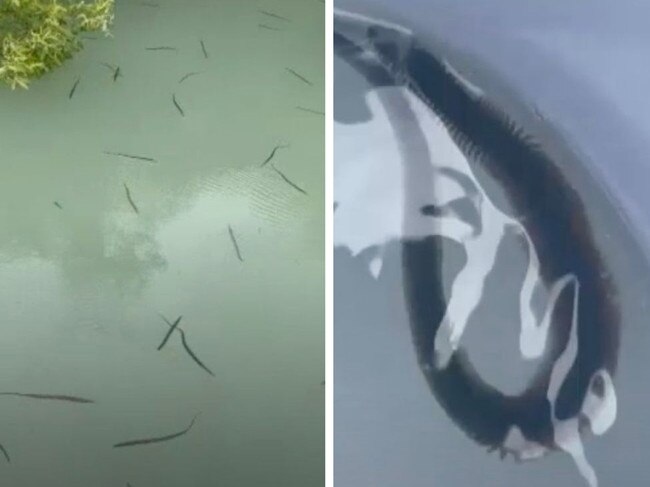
(37, 36)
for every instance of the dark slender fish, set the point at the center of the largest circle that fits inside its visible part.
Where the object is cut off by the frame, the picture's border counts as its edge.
(300, 77)
(288, 181)
(114, 69)
(188, 75)
(148, 441)
(52, 397)
(178, 107)
(74, 88)
(205, 52)
(193, 355)
(187, 347)
(5, 453)
(234, 243)
(161, 48)
(268, 159)
(169, 333)
(130, 156)
(128, 197)
(58, 205)
(88, 38)
(310, 110)
(149, 4)
(268, 27)
(275, 16)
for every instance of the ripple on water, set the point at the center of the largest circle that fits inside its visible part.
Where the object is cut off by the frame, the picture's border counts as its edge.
(267, 197)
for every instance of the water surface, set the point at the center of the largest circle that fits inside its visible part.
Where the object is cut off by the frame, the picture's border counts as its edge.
(84, 277)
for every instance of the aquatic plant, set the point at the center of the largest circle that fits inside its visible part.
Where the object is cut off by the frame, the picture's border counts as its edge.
(37, 36)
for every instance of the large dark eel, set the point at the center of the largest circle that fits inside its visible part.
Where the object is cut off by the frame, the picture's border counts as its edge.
(552, 214)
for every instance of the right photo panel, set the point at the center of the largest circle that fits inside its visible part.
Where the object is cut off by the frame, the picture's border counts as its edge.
(491, 243)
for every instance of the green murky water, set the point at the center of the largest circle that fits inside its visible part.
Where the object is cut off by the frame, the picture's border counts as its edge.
(82, 285)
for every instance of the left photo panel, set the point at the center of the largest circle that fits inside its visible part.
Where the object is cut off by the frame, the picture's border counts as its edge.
(162, 270)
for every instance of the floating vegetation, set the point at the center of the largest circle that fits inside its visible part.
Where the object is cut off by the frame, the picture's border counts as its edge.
(37, 36)
(49, 397)
(158, 439)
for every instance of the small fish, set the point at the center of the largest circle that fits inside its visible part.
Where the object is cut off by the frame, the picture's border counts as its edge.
(268, 27)
(51, 397)
(149, 4)
(322, 383)
(310, 110)
(299, 76)
(128, 196)
(234, 243)
(178, 107)
(205, 52)
(130, 156)
(275, 16)
(58, 205)
(114, 69)
(159, 439)
(169, 333)
(193, 355)
(74, 88)
(268, 159)
(187, 348)
(288, 181)
(5, 453)
(188, 75)
(161, 48)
